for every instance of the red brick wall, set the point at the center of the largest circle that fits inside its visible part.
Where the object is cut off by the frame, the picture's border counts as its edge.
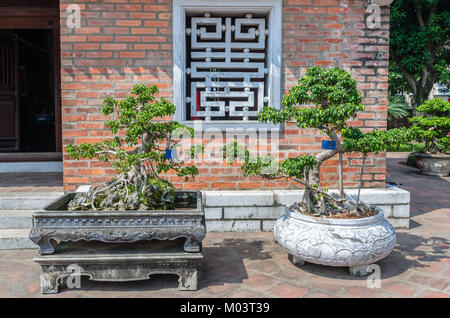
(124, 42)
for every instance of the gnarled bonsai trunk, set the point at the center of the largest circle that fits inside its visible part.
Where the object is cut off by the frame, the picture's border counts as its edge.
(125, 192)
(314, 196)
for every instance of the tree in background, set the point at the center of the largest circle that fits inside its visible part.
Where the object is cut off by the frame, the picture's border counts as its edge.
(419, 47)
(432, 128)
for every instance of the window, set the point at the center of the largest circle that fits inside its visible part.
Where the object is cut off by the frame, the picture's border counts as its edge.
(227, 61)
(442, 90)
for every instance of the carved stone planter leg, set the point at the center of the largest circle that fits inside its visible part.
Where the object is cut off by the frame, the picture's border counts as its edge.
(46, 245)
(188, 279)
(49, 283)
(192, 245)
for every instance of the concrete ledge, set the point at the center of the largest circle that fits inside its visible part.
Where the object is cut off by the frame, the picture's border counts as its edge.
(250, 210)
(213, 213)
(266, 212)
(233, 226)
(26, 200)
(238, 198)
(16, 219)
(32, 166)
(399, 223)
(15, 239)
(370, 196)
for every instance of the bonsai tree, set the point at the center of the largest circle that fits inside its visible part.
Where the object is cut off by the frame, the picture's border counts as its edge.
(138, 152)
(328, 98)
(433, 126)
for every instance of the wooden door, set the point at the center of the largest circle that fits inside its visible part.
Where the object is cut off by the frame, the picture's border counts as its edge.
(9, 112)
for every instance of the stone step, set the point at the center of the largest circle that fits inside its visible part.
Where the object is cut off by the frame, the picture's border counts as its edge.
(16, 219)
(31, 166)
(26, 200)
(15, 239)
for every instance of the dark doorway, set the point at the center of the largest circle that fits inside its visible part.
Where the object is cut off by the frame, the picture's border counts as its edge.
(36, 90)
(32, 92)
(9, 129)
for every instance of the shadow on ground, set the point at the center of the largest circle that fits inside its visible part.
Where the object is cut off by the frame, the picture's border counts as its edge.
(224, 261)
(411, 251)
(223, 264)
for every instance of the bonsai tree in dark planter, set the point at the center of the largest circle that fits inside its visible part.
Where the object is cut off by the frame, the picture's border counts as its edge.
(432, 129)
(138, 204)
(326, 99)
(138, 184)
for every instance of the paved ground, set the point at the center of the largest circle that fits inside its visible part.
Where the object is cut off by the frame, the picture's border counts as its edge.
(428, 193)
(253, 265)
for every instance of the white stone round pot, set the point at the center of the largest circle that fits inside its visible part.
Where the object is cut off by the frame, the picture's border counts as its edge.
(433, 164)
(355, 243)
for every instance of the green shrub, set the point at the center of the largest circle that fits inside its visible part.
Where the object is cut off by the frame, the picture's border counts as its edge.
(433, 126)
(397, 108)
(411, 161)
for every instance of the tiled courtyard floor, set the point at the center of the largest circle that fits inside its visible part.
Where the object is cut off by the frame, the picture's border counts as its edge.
(253, 265)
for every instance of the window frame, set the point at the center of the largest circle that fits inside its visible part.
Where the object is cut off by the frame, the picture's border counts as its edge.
(274, 54)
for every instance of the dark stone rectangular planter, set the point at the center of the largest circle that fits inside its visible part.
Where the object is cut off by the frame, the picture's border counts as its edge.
(117, 263)
(54, 224)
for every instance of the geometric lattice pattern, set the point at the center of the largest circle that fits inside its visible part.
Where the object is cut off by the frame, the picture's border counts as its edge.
(226, 67)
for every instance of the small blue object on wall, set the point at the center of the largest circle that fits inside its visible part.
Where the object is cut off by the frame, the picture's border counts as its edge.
(329, 144)
(171, 153)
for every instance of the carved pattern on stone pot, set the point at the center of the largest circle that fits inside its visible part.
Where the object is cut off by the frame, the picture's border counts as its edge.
(335, 242)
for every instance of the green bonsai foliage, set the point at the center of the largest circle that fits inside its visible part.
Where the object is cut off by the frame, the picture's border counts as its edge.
(433, 126)
(137, 152)
(324, 99)
(354, 140)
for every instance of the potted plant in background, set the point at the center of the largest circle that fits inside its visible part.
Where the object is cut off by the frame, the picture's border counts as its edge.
(325, 227)
(398, 111)
(432, 129)
(138, 205)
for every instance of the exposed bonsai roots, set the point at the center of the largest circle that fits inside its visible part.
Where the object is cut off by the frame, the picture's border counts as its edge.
(129, 191)
(318, 202)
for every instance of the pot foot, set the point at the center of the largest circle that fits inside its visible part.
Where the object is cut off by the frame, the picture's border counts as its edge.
(192, 245)
(188, 280)
(47, 246)
(297, 261)
(359, 271)
(49, 283)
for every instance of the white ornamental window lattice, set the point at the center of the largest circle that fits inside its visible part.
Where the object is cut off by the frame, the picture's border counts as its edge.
(226, 71)
(227, 61)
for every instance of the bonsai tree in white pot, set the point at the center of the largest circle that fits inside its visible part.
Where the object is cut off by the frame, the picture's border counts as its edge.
(433, 128)
(325, 227)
